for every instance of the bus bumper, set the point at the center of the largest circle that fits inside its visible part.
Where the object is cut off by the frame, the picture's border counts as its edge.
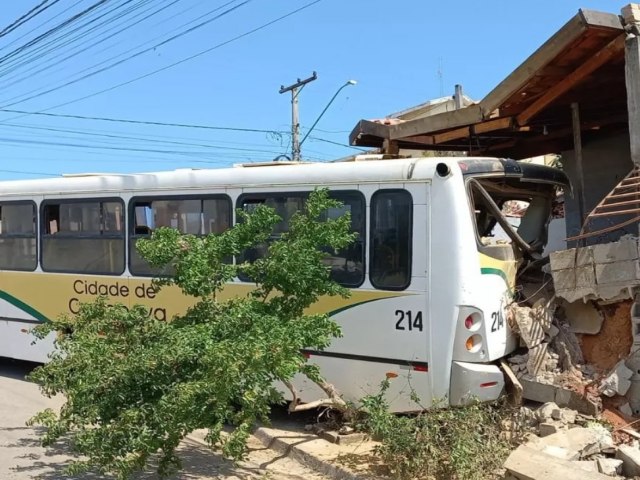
(474, 382)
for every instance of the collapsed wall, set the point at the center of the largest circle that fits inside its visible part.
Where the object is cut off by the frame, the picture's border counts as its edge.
(580, 332)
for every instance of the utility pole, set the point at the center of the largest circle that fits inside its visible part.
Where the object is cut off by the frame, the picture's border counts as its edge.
(295, 89)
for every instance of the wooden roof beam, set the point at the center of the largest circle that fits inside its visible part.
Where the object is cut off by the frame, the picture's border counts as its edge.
(543, 56)
(578, 75)
(477, 129)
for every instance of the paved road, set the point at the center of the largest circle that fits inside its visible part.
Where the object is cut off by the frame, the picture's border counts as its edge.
(21, 456)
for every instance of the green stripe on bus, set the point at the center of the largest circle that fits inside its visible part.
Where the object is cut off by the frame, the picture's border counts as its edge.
(23, 306)
(500, 273)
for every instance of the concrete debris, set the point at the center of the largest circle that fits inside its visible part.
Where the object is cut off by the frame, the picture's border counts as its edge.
(538, 359)
(543, 393)
(583, 317)
(545, 412)
(526, 463)
(531, 331)
(625, 408)
(617, 382)
(609, 466)
(549, 428)
(566, 345)
(630, 456)
(587, 465)
(575, 443)
(564, 415)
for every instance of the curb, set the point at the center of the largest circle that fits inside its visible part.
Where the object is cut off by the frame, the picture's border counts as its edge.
(293, 448)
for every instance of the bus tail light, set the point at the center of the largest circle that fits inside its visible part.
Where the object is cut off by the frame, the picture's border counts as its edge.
(473, 321)
(473, 343)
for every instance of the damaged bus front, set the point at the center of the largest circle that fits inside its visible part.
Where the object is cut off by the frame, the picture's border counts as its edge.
(511, 205)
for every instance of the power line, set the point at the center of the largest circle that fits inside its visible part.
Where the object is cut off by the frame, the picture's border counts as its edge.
(26, 34)
(58, 42)
(53, 30)
(88, 44)
(148, 140)
(38, 9)
(141, 122)
(135, 55)
(318, 139)
(191, 57)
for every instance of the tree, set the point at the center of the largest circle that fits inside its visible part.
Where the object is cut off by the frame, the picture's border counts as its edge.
(136, 386)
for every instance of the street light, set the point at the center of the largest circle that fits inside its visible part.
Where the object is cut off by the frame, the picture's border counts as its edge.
(349, 82)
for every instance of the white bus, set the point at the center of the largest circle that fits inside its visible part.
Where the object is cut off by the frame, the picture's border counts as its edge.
(428, 286)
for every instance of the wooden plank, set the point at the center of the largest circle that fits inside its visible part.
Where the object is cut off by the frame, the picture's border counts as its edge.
(463, 132)
(424, 139)
(434, 123)
(478, 128)
(632, 78)
(619, 204)
(538, 59)
(624, 195)
(573, 79)
(493, 125)
(613, 214)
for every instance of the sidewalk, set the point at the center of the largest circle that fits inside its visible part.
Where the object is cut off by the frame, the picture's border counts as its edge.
(306, 450)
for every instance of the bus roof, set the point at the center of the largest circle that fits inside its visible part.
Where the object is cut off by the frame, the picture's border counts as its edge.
(277, 174)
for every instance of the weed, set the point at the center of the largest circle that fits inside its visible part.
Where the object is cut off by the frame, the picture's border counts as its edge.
(442, 443)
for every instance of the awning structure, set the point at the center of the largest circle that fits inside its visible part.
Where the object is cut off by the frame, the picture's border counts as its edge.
(529, 113)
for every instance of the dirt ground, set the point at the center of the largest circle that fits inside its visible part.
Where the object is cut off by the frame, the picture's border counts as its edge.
(605, 349)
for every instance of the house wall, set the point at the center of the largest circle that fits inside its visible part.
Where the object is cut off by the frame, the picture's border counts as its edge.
(605, 162)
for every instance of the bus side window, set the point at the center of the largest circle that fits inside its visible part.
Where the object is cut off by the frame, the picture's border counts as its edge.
(18, 236)
(82, 236)
(391, 232)
(347, 264)
(195, 215)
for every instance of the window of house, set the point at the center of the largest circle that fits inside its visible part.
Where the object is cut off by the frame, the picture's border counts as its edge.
(391, 237)
(83, 236)
(18, 236)
(192, 215)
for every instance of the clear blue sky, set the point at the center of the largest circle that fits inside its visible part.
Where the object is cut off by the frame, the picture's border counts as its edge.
(392, 48)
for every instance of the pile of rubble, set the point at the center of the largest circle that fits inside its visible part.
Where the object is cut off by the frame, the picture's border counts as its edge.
(579, 356)
(570, 445)
(577, 351)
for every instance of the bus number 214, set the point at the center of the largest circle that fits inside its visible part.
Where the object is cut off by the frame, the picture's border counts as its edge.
(407, 320)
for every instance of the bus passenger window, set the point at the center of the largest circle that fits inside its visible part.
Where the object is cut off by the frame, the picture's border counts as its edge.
(391, 220)
(18, 236)
(190, 215)
(83, 236)
(347, 264)
(285, 205)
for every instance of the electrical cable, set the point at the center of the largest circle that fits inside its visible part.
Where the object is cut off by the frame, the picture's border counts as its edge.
(191, 57)
(137, 54)
(141, 122)
(35, 11)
